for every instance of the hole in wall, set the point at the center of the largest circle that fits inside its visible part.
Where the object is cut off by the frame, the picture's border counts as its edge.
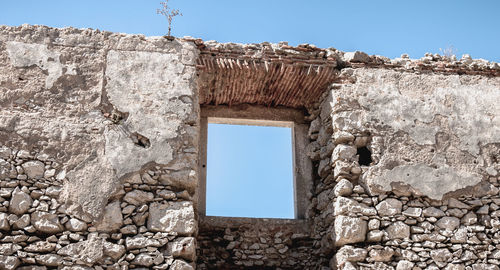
(365, 156)
(140, 140)
(495, 158)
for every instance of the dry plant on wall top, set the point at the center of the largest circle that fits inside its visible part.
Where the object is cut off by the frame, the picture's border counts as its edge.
(169, 13)
(449, 51)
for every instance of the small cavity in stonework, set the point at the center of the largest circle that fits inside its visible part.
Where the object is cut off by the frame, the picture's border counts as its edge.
(365, 156)
(140, 140)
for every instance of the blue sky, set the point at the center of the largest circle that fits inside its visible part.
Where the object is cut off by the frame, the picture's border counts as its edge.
(249, 171)
(382, 27)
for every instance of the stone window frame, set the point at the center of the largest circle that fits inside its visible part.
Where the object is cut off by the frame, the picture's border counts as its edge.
(255, 115)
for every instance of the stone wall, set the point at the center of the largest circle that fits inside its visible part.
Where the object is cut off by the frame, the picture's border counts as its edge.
(242, 243)
(409, 171)
(99, 156)
(99, 146)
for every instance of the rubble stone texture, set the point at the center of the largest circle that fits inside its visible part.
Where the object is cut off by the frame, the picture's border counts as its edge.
(99, 155)
(436, 203)
(90, 122)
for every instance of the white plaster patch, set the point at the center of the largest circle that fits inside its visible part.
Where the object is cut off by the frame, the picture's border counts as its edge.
(25, 55)
(147, 85)
(474, 115)
(126, 157)
(472, 111)
(389, 107)
(424, 180)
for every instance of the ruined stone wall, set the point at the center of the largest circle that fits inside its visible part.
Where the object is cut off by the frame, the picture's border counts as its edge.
(99, 153)
(98, 150)
(428, 197)
(243, 243)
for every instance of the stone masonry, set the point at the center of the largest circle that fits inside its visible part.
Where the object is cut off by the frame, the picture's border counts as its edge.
(100, 153)
(429, 197)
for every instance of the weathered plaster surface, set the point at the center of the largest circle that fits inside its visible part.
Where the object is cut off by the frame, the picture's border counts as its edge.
(429, 195)
(67, 86)
(428, 131)
(87, 117)
(25, 55)
(154, 89)
(63, 121)
(472, 112)
(426, 181)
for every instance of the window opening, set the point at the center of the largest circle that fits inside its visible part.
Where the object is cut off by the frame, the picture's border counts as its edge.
(250, 171)
(300, 183)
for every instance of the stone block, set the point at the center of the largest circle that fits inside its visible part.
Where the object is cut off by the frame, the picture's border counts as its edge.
(349, 230)
(389, 207)
(398, 230)
(112, 218)
(172, 217)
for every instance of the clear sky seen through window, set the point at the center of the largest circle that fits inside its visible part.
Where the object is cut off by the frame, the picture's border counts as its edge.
(249, 171)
